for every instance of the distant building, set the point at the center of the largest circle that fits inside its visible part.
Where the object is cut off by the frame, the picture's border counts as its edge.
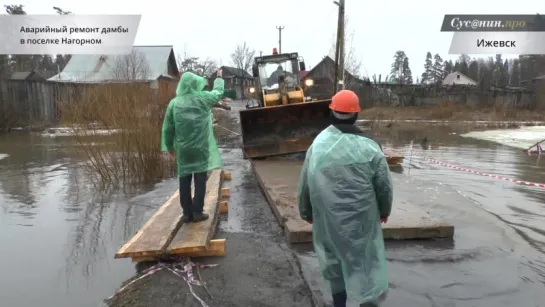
(535, 81)
(27, 76)
(323, 75)
(235, 79)
(458, 78)
(146, 63)
(303, 74)
(151, 66)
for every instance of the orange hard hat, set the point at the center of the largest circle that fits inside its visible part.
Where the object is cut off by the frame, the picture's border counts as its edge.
(345, 101)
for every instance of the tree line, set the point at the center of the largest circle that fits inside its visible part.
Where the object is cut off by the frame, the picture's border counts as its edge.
(489, 71)
(241, 58)
(45, 64)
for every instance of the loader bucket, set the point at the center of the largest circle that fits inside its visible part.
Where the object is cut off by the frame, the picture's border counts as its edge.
(284, 129)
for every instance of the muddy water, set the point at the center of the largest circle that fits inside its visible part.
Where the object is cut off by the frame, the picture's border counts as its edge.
(519, 206)
(497, 255)
(57, 234)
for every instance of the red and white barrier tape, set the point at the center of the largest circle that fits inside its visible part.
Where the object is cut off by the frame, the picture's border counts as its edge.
(183, 268)
(528, 183)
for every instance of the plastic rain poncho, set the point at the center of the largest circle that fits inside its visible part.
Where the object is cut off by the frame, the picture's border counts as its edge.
(344, 189)
(188, 129)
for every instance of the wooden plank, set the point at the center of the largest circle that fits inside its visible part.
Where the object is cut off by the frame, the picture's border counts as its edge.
(282, 205)
(265, 190)
(227, 176)
(298, 231)
(215, 248)
(156, 234)
(225, 192)
(408, 221)
(279, 178)
(224, 207)
(144, 259)
(194, 237)
(393, 158)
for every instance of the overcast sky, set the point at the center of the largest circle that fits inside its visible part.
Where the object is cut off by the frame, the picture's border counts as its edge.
(213, 28)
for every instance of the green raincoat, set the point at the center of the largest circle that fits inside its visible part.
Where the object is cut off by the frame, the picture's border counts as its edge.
(344, 189)
(188, 126)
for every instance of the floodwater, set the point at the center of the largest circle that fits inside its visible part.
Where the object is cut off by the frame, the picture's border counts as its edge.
(519, 206)
(497, 255)
(58, 235)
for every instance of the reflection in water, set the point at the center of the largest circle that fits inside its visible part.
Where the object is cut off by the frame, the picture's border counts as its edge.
(517, 205)
(17, 186)
(75, 228)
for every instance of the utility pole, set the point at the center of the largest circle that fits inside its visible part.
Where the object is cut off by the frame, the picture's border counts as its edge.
(341, 51)
(260, 53)
(280, 28)
(339, 48)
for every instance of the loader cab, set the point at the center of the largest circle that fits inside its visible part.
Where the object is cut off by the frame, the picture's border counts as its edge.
(276, 72)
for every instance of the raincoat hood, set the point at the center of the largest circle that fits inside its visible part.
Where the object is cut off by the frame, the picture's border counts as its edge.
(190, 83)
(188, 129)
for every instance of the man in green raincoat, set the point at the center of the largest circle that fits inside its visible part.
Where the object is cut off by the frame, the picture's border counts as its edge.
(345, 191)
(188, 136)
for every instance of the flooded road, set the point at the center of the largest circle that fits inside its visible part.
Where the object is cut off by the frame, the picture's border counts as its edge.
(496, 257)
(59, 236)
(519, 206)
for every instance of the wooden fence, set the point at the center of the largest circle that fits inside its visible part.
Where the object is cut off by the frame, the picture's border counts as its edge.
(24, 103)
(37, 103)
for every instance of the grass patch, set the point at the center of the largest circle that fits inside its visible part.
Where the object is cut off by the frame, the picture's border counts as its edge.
(131, 153)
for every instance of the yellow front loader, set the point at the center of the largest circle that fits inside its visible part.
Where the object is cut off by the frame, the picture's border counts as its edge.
(285, 120)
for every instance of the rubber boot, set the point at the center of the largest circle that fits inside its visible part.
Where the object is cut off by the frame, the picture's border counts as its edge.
(199, 217)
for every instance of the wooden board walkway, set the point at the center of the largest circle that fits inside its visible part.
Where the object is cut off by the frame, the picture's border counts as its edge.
(393, 158)
(194, 237)
(279, 179)
(165, 235)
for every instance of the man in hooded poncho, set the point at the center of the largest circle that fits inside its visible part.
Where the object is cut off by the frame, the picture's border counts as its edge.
(188, 135)
(345, 192)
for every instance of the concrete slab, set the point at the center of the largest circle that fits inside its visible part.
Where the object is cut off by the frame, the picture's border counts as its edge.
(279, 178)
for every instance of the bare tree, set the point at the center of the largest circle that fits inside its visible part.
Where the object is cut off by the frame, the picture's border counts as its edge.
(242, 58)
(206, 67)
(202, 68)
(352, 63)
(130, 67)
(186, 64)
